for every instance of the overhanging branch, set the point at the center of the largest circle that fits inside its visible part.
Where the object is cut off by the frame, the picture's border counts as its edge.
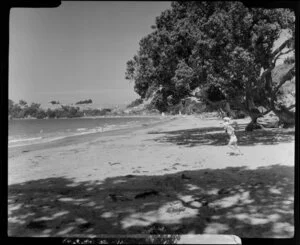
(282, 46)
(267, 71)
(266, 112)
(291, 107)
(288, 76)
(280, 54)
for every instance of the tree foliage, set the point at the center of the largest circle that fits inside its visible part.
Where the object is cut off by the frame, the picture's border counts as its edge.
(22, 110)
(53, 102)
(222, 48)
(89, 101)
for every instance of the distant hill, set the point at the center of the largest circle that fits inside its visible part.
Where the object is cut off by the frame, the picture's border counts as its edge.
(89, 101)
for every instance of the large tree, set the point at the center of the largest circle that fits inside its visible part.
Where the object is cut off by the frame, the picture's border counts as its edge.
(223, 49)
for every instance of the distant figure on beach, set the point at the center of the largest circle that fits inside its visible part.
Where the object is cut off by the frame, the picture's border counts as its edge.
(232, 137)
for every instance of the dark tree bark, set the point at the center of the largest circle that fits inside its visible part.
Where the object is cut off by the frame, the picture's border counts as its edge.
(269, 93)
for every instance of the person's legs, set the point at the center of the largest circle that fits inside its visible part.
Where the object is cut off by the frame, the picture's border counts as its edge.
(236, 147)
(232, 144)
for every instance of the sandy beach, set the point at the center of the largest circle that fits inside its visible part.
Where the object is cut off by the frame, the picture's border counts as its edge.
(173, 177)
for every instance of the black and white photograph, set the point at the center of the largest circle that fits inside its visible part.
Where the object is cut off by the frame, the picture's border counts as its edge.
(171, 120)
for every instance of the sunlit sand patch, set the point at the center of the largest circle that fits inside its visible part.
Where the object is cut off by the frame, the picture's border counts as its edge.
(274, 217)
(14, 207)
(280, 227)
(196, 204)
(107, 215)
(90, 204)
(255, 219)
(257, 215)
(54, 216)
(69, 199)
(192, 187)
(215, 228)
(170, 213)
(47, 231)
(186, 198)
(258, 221)
(73, 185)
(16, 220)
(139, 219)
(230, 201)
(81, 221)
(215, 217)
(287, 202)
(283, 211)
(149, 204)
(119, 181)
(242, 216)
(66, 231)
(213, 191)
(273, 190)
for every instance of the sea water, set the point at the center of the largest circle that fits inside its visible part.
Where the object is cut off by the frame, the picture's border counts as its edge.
(33, 131)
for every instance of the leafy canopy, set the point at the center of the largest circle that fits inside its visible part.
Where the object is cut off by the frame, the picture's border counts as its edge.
(217, 47)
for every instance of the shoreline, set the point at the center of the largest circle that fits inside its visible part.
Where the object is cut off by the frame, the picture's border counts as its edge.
(80, 138)
(95, 117)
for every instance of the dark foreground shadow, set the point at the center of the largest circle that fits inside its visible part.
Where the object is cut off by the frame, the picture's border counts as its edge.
(247, 203)
(217, 136)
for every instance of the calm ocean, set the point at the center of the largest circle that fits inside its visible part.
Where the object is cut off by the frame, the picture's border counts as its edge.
(32, 131)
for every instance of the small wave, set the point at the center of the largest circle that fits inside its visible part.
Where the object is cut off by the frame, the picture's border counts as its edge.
(24, 139)
(32, 141)
(81, 129)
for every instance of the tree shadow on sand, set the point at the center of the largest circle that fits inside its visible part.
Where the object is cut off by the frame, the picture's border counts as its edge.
(238, 201)
(217, 136)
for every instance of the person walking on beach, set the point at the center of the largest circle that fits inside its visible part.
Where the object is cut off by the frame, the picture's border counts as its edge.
(232, 144)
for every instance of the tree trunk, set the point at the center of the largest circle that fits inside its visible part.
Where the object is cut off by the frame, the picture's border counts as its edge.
(286, 117)
(253, 125)
(253, 112)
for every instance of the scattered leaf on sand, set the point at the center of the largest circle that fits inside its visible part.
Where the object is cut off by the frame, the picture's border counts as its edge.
(146, 193)
(115, 163)
(223, 191)
(183, 176)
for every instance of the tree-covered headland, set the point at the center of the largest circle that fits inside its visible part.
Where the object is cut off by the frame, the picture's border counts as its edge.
(34, 110)
(220, 54)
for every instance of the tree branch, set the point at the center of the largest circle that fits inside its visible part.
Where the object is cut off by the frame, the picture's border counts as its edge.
(282, 46)
(280, 54)
(276, 54)
(291, 107)
(262, 76)
(288, 76)
(266, 112)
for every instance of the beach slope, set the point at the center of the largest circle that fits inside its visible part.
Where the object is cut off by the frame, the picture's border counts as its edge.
(176, 177)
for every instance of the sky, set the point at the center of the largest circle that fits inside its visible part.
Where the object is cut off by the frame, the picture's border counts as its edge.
(77, 51)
